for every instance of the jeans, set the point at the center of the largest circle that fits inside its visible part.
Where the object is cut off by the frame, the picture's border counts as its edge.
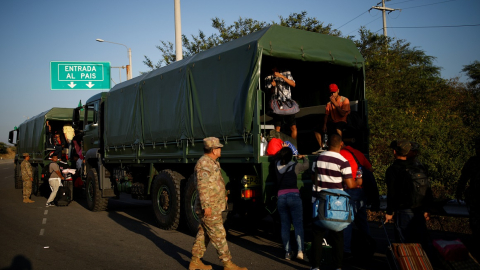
(410, 226)
(291, 211)
(357, 201)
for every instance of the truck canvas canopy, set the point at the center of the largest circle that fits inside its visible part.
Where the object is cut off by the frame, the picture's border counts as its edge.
(214, 92)
(32, 131)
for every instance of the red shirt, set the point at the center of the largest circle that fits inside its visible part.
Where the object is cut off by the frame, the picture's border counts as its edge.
(360, 157)
(353, 164)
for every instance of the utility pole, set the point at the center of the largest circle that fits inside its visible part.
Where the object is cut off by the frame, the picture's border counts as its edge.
(178, 32)
(384, 13)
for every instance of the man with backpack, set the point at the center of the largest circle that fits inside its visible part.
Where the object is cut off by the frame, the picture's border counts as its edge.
(408, 196)
(331, 172)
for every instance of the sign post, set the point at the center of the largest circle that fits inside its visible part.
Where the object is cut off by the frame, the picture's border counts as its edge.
(79, 75)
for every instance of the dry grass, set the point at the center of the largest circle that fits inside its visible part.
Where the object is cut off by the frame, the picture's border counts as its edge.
(9, 155)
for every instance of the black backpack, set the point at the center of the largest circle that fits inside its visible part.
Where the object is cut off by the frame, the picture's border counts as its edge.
(419, 183)
(63, 196)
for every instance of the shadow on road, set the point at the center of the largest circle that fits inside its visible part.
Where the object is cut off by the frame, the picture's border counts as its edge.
(20, 263)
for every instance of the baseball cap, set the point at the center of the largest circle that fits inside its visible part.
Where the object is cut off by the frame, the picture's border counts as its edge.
(402, 147)
(25, 154)
(211, 143)
(333, 88)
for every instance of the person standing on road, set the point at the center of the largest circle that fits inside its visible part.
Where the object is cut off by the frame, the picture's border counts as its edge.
(27, 177)
(55, 180)
(289, 203)
(212, 198)
(332, 171)
(409, 215)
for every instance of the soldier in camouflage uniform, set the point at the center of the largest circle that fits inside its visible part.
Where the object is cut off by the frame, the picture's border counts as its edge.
(27, 177)
(212, 199)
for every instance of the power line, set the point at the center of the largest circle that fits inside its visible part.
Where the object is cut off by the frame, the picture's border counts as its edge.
(353, 19)
(430, 4)
(438, 26)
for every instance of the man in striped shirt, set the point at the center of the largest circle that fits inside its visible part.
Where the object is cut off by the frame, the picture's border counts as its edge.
(331, 171)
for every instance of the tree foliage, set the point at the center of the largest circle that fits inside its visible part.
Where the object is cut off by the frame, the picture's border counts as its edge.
(3, 148)
(409, 100)
(226, 33)
(473, 71)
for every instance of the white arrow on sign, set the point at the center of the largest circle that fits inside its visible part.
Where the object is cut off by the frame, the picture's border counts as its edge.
(71, 84)
(90, 85)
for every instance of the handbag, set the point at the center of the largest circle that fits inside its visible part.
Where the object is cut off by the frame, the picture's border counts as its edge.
(286, 107)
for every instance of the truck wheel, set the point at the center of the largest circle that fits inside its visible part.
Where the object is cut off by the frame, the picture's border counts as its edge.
(95, 201)
(35, 183)
(166, 199)
(189, 203)
(18, 176)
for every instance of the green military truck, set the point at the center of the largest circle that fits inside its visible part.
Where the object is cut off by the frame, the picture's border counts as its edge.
(30, 137)
(147, 133)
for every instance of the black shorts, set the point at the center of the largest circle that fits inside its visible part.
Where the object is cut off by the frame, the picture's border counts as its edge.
(280, 120)
(331, 127)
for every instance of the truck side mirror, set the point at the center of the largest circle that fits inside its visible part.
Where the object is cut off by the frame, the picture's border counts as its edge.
(11, 136)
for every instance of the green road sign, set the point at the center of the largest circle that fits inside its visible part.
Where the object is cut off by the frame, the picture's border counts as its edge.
(80, 75)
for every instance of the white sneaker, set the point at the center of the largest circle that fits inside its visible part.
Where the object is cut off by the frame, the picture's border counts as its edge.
(288, 256)
(300, 255)
(318, 151)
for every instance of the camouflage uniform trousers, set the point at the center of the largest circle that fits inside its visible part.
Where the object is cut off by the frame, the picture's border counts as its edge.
(211, 230)
(27, 189)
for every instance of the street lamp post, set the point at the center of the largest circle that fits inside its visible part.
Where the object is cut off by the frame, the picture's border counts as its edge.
(129, 69)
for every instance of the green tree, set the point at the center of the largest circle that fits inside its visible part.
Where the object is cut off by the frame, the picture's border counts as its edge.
(473, 71)
(409, 100)
(226, 33)
(3, 148)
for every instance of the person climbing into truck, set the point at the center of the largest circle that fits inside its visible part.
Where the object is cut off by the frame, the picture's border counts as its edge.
(279, 83)
(336, 112)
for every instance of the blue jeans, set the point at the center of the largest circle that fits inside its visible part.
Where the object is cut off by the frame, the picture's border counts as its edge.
(291, 211)
(357, 201)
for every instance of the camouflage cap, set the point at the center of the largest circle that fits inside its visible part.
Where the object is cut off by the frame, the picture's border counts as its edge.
(25, 154)
(211, 143)
(402, 147)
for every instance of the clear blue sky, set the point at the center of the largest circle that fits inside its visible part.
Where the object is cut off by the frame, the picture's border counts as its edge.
(33, 33)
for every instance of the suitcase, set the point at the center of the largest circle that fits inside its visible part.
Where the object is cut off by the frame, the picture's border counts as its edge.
(406, 256)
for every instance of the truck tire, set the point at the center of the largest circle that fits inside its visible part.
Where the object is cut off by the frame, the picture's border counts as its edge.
(18, 176)
(189, 198)
(95, 201)
(35, 183)
(166, 199)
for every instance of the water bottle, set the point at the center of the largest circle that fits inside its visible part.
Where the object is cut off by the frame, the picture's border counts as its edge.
(325, 141)
(359, 172)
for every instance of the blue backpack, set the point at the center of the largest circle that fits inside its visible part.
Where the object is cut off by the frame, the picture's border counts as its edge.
(332, 210)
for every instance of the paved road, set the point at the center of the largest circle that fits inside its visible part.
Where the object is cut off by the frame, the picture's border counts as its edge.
(126, 237)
